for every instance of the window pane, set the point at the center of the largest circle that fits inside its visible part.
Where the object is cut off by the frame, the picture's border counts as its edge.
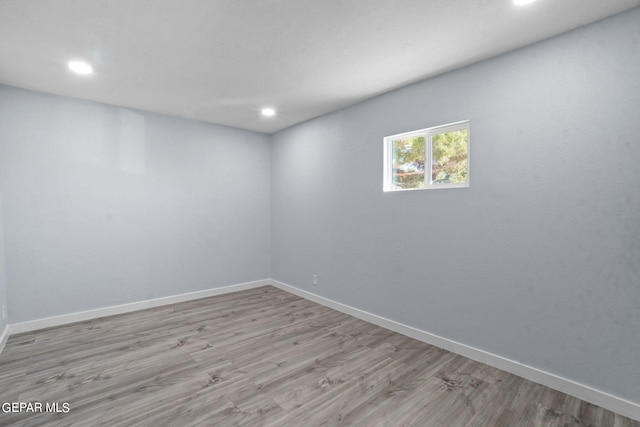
(408, 162)
(449, 157)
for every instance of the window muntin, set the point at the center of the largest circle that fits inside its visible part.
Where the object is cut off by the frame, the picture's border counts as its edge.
(436, 157)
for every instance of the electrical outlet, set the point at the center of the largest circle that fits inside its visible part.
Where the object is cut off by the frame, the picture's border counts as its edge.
(315, 280)
(4, 312)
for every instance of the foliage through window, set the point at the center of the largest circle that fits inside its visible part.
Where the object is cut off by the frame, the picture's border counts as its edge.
(436, 157)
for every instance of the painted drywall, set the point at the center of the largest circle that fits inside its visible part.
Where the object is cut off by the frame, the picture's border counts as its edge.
(3, 277)
(104, 206)
(539, 260)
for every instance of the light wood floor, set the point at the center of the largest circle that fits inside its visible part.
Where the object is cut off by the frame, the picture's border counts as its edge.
(264, 357)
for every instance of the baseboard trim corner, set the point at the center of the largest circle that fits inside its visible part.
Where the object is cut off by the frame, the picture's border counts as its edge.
(33, 325)
(597, 397)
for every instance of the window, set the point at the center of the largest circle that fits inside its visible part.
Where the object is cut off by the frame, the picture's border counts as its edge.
(436, 157)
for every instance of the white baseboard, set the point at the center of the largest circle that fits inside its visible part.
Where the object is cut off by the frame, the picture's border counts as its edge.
(4, 337)
(65, 319)
(581, 391)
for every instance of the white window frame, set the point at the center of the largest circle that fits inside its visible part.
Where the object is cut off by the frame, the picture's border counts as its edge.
(428, 133)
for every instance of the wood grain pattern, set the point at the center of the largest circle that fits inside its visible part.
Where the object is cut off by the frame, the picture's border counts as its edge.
(264, 357)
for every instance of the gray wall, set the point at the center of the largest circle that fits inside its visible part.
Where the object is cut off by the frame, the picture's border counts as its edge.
(105, 206)
(3, 277)
(539, 260)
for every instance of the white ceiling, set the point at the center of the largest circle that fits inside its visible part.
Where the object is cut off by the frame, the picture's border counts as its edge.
(221, 61)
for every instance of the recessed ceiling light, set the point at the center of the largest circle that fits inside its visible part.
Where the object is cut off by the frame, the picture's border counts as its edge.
(522, 2)
(268, 112)
(80, 67)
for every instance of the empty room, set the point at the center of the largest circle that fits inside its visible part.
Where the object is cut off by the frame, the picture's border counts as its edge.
(305, 213)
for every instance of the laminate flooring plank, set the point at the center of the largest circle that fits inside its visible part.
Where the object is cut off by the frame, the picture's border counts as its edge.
(311, 342)
(282, 332)
(153, 394)
(257, 415)
(308, 388)
(402, 392)
(403, 385)
(122, 367)
(329, 407)
(264, 357)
